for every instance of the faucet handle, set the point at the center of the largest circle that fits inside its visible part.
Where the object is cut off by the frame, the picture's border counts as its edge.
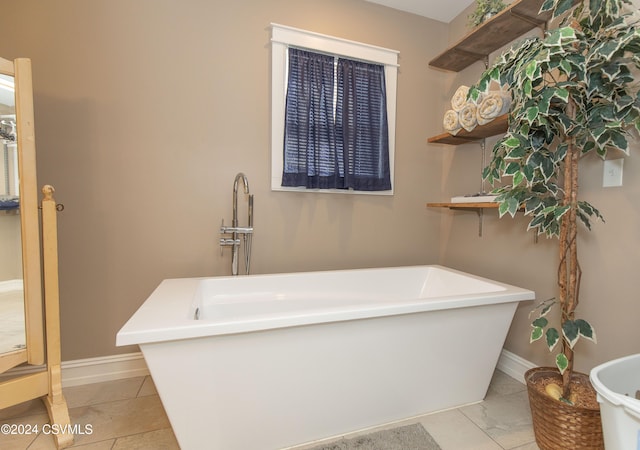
(221, 240)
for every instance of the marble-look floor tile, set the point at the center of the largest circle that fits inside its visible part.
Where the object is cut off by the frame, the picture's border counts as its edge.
(43, 442)
(120, 418)
(505, 418)
(28, 408)
(503, 384)
(147, 388)
(102, 445)
(529, 446)
(452, 430)
(91, 394)
(127, 414)
(160, 439)
(23, 432)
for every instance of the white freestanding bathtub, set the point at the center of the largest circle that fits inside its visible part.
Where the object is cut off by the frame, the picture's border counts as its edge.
(265, 362)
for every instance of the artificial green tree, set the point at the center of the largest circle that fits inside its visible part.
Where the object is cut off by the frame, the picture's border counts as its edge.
(574, 92)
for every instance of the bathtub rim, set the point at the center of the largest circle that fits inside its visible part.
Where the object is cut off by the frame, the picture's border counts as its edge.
(166, 315)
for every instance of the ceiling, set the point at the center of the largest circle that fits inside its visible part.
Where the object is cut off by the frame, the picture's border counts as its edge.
(442, 10)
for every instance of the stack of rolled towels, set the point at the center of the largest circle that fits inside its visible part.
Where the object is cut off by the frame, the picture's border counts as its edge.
(468, 114)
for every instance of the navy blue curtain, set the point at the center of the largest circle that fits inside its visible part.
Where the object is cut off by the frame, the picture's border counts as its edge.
(309, 134)
(345, 148)
(361, 124)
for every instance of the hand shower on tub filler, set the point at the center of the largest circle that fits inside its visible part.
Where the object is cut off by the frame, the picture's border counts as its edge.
(236, 231)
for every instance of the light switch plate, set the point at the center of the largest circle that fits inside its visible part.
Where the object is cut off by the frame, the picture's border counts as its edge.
(612, 175)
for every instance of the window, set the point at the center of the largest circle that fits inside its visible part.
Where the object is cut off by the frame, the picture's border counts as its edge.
(333, 114)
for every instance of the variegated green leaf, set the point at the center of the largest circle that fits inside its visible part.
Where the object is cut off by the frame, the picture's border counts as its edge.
(553, 38)
(536, 334)
(532, 114)
(536, 222)
(512, 142)
(547, 168)
(553, 337)
(607, 49)
(619, 141)
(586, 330)
(528, 172)
(516, 153)
(595, 5)
(568, 33)
(530, 69)
(561, 211)
(562, 362)
(512, 168)
(547, 5)
(562, 7)
(540, 322)
(518, 178)
(561, 94)
(514, 204)
(494, 74)
(484, 83)
(547, 308)
(474, 94)
(611, 71)
(571, 332)
(561, 152)
(532, 204)
(548, 210)
(565, 66)
(503, 208)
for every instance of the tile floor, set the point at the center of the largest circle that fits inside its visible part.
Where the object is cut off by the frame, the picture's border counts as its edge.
(127, 414)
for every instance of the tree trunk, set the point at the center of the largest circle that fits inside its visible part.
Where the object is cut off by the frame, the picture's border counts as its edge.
(569, 270)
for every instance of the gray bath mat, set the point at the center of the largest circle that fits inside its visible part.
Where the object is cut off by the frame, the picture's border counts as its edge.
(409, 437)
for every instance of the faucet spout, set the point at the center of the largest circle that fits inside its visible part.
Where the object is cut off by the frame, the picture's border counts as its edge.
(245, 182)
(235, 230)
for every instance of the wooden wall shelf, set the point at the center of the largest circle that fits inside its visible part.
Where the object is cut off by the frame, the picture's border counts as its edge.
(497, 126)
(450, 205)
(509, 24)
(478, 208)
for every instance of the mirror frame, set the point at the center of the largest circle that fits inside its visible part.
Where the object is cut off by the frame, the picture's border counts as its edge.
(34, 353)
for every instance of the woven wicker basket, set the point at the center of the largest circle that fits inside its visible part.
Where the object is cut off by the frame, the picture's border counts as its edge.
(558, 426)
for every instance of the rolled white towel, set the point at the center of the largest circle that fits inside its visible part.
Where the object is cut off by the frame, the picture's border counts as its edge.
(451, 122)
(459, 98)
(468, 118)
(494, 104)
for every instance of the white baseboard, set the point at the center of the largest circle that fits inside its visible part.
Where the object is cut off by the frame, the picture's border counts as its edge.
(93, 370)
(513, 365)
(108, 368)
(116, 367)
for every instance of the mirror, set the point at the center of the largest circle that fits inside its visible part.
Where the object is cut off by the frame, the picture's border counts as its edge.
(21, 321)
(22, 336)
(12, 332)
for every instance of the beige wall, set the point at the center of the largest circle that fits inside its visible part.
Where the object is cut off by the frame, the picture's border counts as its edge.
(609, 254)
(146, 110)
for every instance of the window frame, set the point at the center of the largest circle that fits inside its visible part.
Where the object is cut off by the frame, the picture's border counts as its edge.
(281, 38)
